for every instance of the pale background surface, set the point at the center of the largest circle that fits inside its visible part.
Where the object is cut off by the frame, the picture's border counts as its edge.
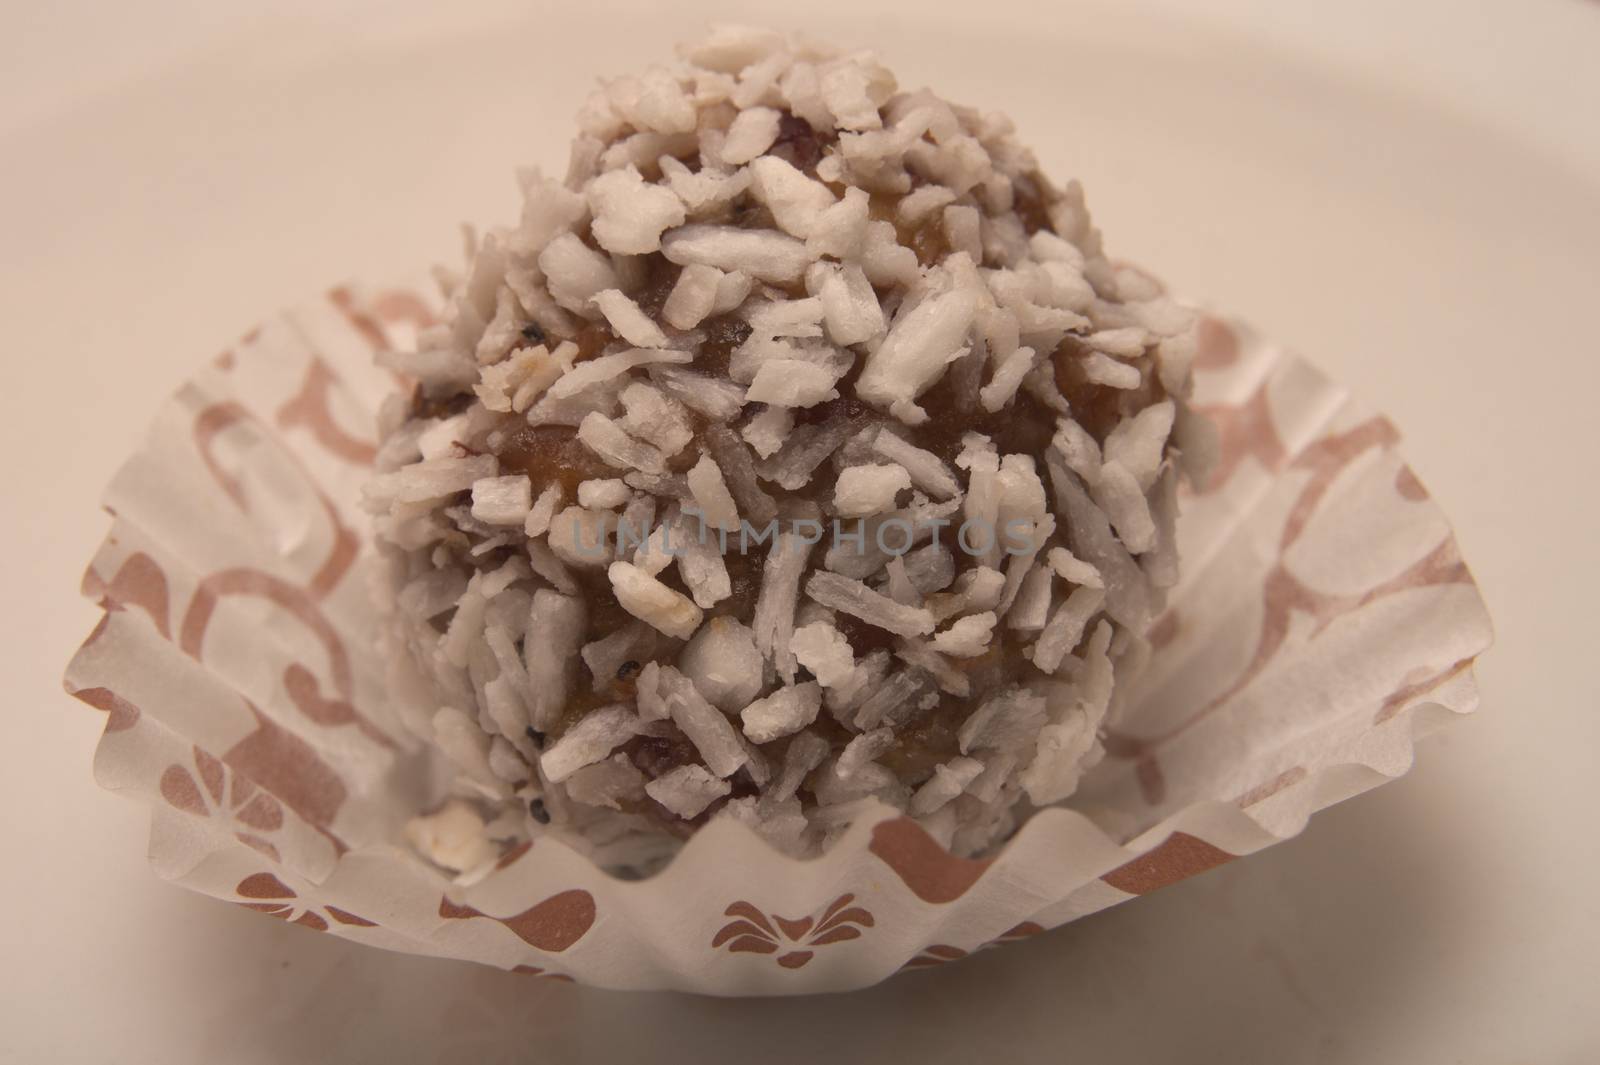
(1410, 193)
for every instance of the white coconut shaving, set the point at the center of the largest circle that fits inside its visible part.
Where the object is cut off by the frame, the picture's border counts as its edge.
(804, 420)
(924, 468)
(1074, 569)
(502, 500)
(453, 837)
(630, 214)
(609, 441)
(915, 353)
(869, 489)
(718, 399)
(1065, 628)
(653, 602)
(750, 135)
(713, 736)
(594, 737)
(687, 790)
(783, 713)
(967, 637)
(711, 495)
(856, 599)
(629, 322)
(948, 782)
(723, 663)
(609, 783)
(765, 255)
(766, 431)
(603, 494)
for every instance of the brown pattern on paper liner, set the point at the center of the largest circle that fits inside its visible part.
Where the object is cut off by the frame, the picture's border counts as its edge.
(1267, 789)
(1216, 344)
(929, 873)
(1248, 431)
(551, 926)
(205, 788)
(1178, 858)
(267, 770)
(269, 895)
(367, 317)
(1284, 594)
(292, 770)
(139, 582)
(753, 931)
(546, 974)
(215, 419)
(302, 603)
(254, 584)
(932, 873)
(270, 756)
(943, 953)
(121, 715)
(1416, 688)
(310, 408)
(1244, 432)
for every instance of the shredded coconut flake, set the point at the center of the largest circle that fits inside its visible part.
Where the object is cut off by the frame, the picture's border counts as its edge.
(967, 637)
(717, 399)
(606, 439)
(947, 783)
(1118, 493)
(859, 601)
(795, 200)
(693, 296)
(1101, 369)
(711, 495)
(596, 735)
(575, 272)
(914, 354)
(783, 713)
(786, 318)
(653, 602)
(502, 500)
(763, 254)
(598, 371)
(655, 418)
(1074, 569)
(780, 591)
(708, 729)
(863, 490)
(603, 494)
(629, 321)
(724, 664)
(767, 430)
(1126, 343)
(630, 215)
(839, 229)
(687, 790)
(792, 383)
(750, 135)
(924, 468)
(1138, 444)
(1066, 627)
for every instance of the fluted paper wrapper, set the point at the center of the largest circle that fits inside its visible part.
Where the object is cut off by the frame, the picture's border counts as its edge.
(1324, 622)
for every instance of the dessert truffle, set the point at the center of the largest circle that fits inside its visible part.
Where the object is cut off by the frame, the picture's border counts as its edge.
(800, 447)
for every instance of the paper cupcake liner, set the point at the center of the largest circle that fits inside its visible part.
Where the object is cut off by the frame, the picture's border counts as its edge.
(1325, 620)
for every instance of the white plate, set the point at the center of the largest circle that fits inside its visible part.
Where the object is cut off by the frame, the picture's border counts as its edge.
(1412, 198)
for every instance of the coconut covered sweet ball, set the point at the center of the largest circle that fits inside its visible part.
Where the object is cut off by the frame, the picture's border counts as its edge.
(801, 448)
